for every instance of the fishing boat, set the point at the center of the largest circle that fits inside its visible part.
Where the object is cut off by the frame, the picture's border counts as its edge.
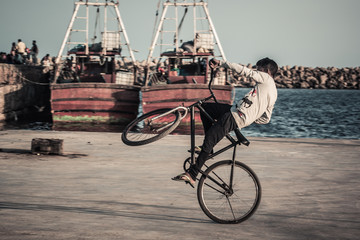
(94, 77)
(177, 70)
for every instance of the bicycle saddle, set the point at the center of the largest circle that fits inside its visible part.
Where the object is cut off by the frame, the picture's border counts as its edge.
(241, 137)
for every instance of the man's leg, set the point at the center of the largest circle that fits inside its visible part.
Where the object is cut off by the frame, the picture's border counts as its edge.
(216, 111)
(213, 135)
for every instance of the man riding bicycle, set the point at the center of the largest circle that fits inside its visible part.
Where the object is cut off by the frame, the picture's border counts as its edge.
(256, 106)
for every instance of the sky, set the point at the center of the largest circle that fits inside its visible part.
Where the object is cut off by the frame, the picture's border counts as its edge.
(310, 33)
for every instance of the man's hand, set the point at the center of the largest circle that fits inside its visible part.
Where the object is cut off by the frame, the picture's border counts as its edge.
(213, 63)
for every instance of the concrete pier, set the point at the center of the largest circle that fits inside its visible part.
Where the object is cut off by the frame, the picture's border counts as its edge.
(102, 189)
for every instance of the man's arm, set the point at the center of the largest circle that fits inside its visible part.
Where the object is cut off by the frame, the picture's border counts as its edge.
(244, 71)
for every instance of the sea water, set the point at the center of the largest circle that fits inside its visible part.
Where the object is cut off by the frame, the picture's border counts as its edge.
(310, 113)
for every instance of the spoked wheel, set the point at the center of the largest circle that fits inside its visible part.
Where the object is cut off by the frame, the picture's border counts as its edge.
(151, 127)
(224, 203)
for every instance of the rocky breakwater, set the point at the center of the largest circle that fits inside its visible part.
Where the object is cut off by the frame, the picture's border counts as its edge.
(24, 92)
(311, 78)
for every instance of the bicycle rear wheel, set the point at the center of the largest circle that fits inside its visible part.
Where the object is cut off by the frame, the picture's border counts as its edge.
(223, 204)
(150, 127)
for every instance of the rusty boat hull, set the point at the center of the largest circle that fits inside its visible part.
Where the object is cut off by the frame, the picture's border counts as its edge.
(94, 103)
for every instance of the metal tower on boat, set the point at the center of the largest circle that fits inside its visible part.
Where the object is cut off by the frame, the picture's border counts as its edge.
(113, 31)
(167, 36)
(180, 72)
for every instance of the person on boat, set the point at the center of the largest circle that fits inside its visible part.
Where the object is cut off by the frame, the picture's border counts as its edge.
(46, 61)
(20, 48)
(256, 106)
(34, 52)
(13, 49)
(13, 52)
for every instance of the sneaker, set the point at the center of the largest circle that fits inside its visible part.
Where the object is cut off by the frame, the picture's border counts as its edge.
(197, 149)
(185, 177)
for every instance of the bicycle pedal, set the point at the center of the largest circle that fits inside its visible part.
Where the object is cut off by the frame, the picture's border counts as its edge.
(190, 184)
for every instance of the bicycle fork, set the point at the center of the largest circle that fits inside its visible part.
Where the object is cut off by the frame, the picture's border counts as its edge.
(192, 134)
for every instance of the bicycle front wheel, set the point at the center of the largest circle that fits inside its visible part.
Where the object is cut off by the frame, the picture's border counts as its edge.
(151, 127)
(224, 202)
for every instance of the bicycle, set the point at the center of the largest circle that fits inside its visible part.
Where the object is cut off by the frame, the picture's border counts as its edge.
(228, 191)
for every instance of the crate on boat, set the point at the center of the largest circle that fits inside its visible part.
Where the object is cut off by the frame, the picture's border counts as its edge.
(204, 41)
(126, 78)
(110, 41)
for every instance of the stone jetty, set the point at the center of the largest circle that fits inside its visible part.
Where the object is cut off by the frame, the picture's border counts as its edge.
(311, 78)
(299, 77)
(24, 91)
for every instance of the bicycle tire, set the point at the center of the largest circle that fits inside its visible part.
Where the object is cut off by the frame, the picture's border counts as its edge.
(223, 206)
(143, 131)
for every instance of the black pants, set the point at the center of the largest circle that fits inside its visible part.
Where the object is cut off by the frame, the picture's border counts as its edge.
(224, 124)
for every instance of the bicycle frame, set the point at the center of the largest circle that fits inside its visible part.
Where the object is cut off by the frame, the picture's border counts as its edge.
(233, 143)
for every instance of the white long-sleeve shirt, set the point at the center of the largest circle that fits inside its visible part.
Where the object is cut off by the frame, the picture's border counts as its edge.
(260, 100)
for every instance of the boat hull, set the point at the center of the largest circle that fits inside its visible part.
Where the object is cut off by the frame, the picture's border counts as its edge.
(94, 102)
